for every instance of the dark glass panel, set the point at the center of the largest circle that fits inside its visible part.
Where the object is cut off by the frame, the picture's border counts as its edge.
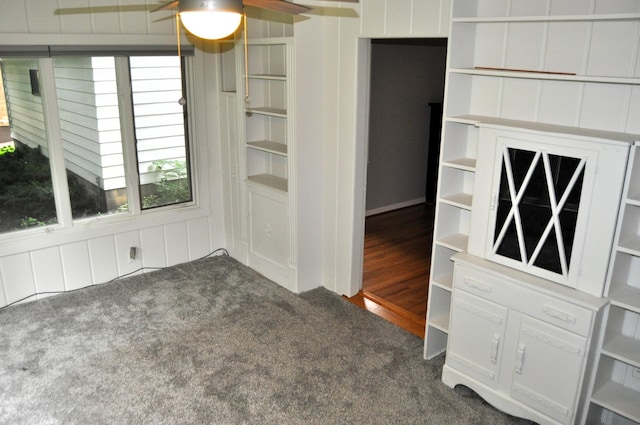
(535, 207)
(569, 217)
(549, 258)
(509, 246)
(504, 203)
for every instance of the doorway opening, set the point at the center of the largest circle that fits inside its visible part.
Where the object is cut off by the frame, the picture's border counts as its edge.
(405, 94)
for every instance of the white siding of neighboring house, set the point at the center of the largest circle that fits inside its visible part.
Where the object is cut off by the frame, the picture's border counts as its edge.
(89, 119)
(25, 108)
(92, 148)
(89, 116)
(157, 88)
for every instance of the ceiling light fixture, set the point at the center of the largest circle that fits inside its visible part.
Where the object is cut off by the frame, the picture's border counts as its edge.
(210, 19)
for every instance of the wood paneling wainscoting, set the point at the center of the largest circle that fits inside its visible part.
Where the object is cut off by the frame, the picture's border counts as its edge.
(397, 254)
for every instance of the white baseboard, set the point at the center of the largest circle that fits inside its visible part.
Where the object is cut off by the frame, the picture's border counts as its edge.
(397, 206)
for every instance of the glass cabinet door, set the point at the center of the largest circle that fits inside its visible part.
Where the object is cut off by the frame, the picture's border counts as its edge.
(537, 211)
(546, 203)
(536, 208)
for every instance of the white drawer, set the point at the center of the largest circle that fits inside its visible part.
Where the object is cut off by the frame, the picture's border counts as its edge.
(559, 313)
(524, 298)
(477, 283)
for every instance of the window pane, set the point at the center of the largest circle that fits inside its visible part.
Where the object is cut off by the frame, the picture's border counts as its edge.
(161, 142)
(26, 191)
(90, 122)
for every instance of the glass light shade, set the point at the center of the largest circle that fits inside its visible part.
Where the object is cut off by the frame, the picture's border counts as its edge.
(211, 25)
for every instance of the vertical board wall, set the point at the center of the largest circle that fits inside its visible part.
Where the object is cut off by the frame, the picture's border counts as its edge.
(95, 252)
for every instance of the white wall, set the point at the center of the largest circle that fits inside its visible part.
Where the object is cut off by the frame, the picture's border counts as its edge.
(333, 158)
(68, 19)
(346, 80)
(95, 260)
(94, 251)
(309, 136)
(404, 18)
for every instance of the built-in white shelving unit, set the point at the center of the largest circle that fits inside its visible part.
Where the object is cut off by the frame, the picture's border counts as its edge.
(568, 67)
(616, 393)
(268, 137)
(451, 233)
(267, 101)
(571, 65)
(256, 100)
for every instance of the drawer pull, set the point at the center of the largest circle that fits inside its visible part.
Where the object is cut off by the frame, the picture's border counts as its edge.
(478, 285)
(560, 315)
(495, 344)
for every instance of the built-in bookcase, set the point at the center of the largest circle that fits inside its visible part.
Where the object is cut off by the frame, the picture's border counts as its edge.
(616, 394)
(256, 103)
(268, 136)
(517, 63)
(266, 106)
(453, 216)
(561, 66)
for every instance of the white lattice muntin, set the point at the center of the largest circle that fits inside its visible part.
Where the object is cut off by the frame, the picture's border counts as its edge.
(543, 201)
(551, 187)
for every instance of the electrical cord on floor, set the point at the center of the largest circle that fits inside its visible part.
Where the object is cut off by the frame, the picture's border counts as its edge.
(217, 252)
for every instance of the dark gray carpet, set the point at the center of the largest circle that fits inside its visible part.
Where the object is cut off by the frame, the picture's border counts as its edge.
(212, 342)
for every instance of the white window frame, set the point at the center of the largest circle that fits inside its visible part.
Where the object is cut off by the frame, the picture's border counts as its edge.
(66, 225)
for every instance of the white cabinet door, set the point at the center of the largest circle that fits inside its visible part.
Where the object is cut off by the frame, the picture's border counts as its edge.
(268, 232)
(548, 203)
(547, 368)
(477, 330)
(519, 341)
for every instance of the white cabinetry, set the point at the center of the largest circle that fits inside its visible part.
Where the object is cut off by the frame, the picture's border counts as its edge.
(521, 342)
(266, 201)
(543, 66)
(276, 206)
(268, 232)
(543, 201)
(268, 141)
(544, 71)
(476, 346)
(451, 232)
(616, 393)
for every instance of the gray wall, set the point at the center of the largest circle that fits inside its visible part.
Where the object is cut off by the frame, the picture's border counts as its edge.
(406, 75)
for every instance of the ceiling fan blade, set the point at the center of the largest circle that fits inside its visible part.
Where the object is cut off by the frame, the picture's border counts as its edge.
(168, 6)
(278, 6)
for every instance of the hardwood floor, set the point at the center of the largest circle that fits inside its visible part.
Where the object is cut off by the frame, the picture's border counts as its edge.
(397, 252)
